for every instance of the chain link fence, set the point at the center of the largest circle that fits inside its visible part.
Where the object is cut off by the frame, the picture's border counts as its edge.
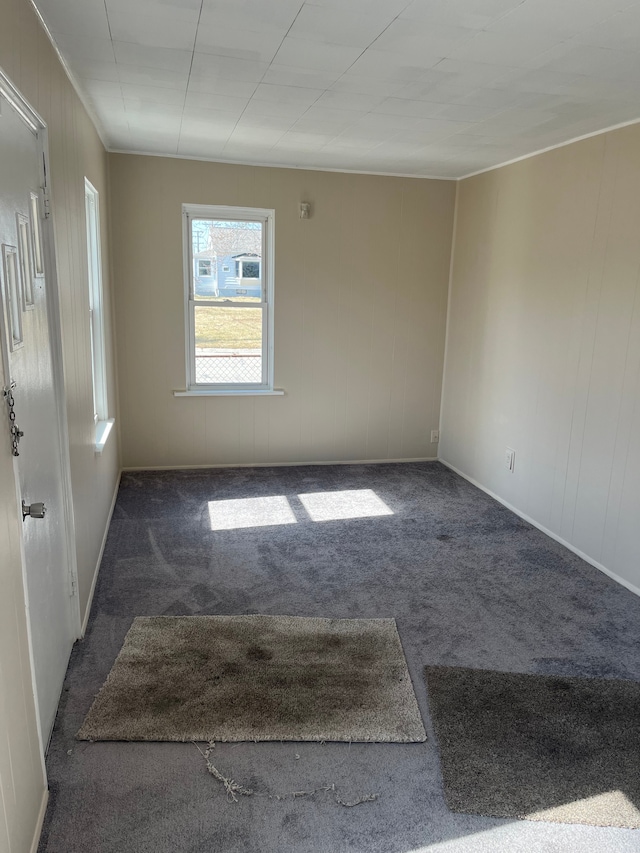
(213, 369)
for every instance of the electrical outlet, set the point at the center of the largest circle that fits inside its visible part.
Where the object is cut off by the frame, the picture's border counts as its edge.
(510, 460)
(435, 436)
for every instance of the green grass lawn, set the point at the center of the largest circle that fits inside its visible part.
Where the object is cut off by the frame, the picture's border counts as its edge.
(229, 328)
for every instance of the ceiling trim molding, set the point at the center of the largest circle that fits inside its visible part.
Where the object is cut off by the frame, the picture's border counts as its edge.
(550, 148)
(283, 166)
(537, 153)
(72, 79)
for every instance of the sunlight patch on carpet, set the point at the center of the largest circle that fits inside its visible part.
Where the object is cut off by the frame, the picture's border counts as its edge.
(350, 503)
(250, 512)
(596, 809)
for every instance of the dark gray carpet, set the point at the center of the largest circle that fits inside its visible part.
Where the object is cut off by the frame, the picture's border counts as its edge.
(469, 584)
(257, 678)
(541, 747)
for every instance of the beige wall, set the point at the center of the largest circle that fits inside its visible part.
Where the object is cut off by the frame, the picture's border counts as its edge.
(543, 350)
(360, 302)
(27, 58)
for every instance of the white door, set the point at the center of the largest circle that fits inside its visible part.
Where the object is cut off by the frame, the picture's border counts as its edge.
(27, 359)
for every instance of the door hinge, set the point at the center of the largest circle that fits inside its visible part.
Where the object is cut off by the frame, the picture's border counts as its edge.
(46, 202)
(72, 585)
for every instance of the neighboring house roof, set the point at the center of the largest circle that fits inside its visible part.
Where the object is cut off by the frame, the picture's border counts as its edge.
(206, 254)
(245, 255)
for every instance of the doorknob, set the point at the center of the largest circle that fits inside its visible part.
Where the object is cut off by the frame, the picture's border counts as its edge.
(36, 510)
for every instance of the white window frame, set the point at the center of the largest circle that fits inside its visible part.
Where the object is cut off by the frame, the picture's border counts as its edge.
(101, 418)
(204, 274)
(245, 260)
(251, 214)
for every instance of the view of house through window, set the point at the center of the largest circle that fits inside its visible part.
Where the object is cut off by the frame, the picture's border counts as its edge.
(229, 297)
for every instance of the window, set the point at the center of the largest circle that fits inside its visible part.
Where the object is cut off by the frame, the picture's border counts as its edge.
(229, 324)
(96, 317)
(204, 268)
(248, 268)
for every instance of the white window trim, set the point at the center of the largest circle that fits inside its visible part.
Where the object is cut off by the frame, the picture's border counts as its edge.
(103, 423)
(245, 260)
(267, 216)
(205, 261)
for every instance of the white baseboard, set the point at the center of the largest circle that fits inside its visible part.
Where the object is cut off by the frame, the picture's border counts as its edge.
(279, 464)
(85, 620)
(40, 821)
(631, 587)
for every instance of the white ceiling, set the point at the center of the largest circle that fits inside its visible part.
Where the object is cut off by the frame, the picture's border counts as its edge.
(439, 88)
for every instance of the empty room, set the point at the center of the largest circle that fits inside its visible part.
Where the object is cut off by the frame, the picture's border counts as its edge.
(320, 426)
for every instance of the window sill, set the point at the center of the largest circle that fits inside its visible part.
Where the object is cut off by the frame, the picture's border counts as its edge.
(103, 430)
(231, 392)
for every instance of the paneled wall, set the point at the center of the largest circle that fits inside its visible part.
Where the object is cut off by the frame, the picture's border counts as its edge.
(27, 57)
(543, 351)
(360, 302)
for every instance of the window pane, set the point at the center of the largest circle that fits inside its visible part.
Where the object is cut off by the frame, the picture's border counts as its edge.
(96, 314)
(228, 345)
(227, 260)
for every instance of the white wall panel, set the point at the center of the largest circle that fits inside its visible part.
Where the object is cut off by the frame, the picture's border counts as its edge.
(543, 352)
(360, 302)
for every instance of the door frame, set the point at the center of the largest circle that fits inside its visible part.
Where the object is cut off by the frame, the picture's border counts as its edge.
(12, 94)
